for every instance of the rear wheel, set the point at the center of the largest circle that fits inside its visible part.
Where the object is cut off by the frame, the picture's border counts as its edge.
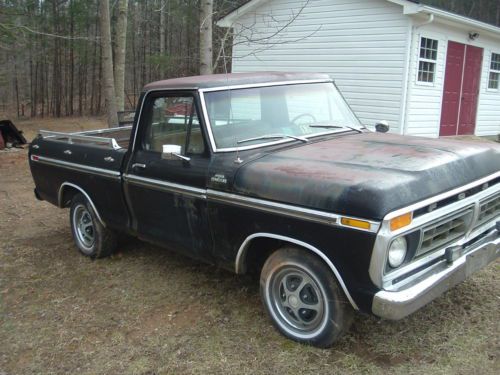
(303, 299)
(91, 237)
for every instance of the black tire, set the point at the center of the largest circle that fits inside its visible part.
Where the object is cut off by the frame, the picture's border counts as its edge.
(92, 238)
(312, 309)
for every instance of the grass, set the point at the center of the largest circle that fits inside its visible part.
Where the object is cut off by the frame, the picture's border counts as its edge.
(146, 310)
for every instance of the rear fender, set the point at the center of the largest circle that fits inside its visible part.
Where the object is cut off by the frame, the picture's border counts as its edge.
(67, 186)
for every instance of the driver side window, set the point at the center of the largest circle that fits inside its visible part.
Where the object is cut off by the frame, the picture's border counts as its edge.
(173, 121)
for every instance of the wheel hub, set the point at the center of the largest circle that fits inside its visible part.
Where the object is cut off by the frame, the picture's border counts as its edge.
(293, 301)
(84, 226)
(297, 299)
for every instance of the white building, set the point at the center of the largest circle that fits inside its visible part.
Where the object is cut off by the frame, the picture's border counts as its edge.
(426, 71)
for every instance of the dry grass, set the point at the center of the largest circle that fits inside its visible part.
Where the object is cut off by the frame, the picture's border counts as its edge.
(149, 311)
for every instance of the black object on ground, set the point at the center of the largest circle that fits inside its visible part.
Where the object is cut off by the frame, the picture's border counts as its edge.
(12, 137)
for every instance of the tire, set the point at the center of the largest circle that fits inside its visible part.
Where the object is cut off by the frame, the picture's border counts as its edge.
(303, 299)
(91, 237)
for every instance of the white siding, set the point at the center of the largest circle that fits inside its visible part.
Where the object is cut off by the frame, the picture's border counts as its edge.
(423, 114)
(362, 44)
(423, 109)
(488, 113)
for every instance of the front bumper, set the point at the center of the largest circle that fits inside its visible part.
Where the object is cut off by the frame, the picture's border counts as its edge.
(396, 305)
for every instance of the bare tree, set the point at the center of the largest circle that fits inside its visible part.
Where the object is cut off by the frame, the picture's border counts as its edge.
(274, 33)
(206, 20)
(107, 62)
(162, 36)
(121, 42)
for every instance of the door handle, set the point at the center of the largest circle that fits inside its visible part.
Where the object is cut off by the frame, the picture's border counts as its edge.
(138, 166)
(109, 159)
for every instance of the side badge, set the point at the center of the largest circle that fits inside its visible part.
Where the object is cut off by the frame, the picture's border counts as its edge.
(219, 179)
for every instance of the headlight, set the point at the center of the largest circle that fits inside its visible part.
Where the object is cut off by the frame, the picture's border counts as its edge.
(397, 252)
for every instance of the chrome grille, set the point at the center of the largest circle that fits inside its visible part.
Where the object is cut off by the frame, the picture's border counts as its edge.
(445, 231)
(488, 209)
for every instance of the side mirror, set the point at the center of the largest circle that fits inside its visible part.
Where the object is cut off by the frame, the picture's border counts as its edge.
(382, 126)
(171, 152)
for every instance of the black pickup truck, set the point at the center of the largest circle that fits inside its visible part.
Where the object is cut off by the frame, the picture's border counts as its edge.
(273, 173)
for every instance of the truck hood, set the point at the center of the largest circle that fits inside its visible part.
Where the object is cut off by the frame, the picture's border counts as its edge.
(366, 175)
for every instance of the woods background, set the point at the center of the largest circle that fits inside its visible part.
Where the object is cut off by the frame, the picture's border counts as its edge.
(55, 58)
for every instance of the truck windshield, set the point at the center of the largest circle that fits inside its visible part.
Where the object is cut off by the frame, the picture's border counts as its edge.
(255, 116)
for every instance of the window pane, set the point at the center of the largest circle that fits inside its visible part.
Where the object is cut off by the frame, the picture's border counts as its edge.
(169, 124)
(428, 49)
(493, 81)
(242, 114)
(495, 61)
(426, 71)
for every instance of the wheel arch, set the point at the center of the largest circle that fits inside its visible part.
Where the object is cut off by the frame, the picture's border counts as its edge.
(67, 190)
(240, 263)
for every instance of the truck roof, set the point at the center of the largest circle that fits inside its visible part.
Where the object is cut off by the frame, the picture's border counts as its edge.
(232, 79)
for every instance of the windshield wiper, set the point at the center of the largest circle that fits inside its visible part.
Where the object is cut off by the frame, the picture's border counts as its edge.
(328, 126)
(274, 136)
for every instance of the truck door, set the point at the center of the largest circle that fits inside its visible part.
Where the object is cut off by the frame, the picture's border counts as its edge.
(167, 193)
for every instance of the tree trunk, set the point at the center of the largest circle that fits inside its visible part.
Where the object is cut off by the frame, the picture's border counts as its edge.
(16, 89)
(71, 61)
(206, 15)
(107, 62)
(121, 42)
(162, 40)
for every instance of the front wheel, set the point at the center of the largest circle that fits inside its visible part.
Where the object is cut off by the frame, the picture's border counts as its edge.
(303, 299)
(91, 237)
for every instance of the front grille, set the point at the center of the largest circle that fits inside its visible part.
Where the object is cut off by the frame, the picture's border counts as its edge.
(456, 198)
(443, 232)
(488, 209)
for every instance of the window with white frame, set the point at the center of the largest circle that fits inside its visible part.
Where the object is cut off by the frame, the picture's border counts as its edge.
(427, 60)
(494, 71)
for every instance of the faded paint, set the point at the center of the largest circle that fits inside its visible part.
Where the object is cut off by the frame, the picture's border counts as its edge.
(366, 175)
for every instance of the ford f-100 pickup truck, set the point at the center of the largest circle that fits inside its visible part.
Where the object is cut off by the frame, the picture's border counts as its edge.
(273, 173)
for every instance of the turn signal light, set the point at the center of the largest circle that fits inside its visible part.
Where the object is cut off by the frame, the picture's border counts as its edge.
(401, 221)
(355, 223)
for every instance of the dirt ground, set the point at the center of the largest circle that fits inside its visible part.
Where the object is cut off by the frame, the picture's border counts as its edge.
(147, 310)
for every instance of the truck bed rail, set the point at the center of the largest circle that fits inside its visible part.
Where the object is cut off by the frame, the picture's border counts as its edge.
(95, 137)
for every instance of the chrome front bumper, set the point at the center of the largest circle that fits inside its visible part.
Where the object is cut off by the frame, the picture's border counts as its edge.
(396, 305)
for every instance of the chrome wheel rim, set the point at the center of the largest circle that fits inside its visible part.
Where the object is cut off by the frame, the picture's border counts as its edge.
(297, 301)
(84, 227)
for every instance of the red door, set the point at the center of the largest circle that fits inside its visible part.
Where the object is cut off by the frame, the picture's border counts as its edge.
(461, 89)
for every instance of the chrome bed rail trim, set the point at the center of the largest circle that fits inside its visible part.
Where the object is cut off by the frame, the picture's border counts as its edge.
(76, 167)
(55, 136)
(104, 131)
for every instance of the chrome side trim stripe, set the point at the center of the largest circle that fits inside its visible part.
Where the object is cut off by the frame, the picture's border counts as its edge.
(165, 186)
(285, 209)
(240, 258)
(242, 201)
(76, 167)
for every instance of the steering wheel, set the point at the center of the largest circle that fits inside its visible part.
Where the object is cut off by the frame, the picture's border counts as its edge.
(303, 115)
